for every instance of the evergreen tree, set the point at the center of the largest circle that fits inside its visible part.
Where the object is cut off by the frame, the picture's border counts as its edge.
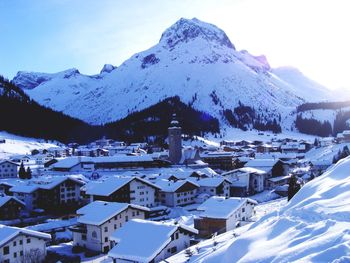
(293, 187)
(22, 171)
(29, 173)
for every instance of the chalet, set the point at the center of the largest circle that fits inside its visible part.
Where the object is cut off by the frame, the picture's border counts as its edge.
(179, 193)
(8, 169)
(10, 207)
(25, 159)
(99, 220)
(22, 245)
(219, 160)
(245, 181)
(272, 167)
(218, 186)
(327, 141)
(273, 182)
(58, 151)
(220, 214)
(148, 241)
(49, 193)
(133, 190)
(343, 137)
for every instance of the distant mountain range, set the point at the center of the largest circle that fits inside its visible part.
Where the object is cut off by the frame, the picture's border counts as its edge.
(194, 61)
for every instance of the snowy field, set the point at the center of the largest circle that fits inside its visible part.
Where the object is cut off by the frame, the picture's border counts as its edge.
(20, 145)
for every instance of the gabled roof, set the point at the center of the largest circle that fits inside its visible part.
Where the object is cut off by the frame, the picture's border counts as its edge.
(141, 240)
(8, 161)
(209, 182)
(220, 207)
(44, 182)
(98, 212)
(109, 185)
(171, 186)
(261, 163)
(5, 199)
(7, 233)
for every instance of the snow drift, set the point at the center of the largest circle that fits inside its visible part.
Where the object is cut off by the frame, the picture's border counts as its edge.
(313, 227)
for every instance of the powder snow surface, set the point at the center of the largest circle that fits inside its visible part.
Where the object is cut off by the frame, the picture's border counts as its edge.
(313, 227)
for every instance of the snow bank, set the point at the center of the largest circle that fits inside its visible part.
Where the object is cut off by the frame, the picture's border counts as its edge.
(313, 227)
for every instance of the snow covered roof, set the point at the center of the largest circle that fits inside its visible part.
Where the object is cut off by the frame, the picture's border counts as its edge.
(220, 207)
(98, 212)
(24, 188)
(8, 232)
(279, 178)
(261, 163)
(5, 199)
(43, 182)
(209, 182)
(141, 240)
(171, 186)
(107, 186)
(8, 161)
(245, 170)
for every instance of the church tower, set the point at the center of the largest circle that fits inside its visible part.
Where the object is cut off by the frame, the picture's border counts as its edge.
(175, 141)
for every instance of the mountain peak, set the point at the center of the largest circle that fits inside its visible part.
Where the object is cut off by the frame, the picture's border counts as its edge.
(185, 30)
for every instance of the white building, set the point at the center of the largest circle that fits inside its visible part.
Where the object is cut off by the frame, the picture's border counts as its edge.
(22, 245)
(176, 193)
(220, 214)
(98, 220)
(148, 241)
(246, 181)
(218, 186)
(8, 169)
(133, 190)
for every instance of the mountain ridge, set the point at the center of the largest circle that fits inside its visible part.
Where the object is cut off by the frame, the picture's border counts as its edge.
(193, 59)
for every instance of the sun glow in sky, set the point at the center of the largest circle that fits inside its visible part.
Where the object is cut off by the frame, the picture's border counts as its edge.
(54, 35)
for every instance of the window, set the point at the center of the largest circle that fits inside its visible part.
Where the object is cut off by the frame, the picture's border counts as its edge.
(243, 209)
(21, 253)
(173, 250)
(177, 236)
(15, 255)
(28, 240)
(126, 218)
(106, 229)
(21, 242)
(115, 226)
(6, 250)
(133, 213)
(106, 239)
(14, 243)
(137, 213)
(83, 237)
(94, 234)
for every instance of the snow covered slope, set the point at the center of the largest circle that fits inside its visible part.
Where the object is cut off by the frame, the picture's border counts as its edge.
(194, 60)
(313, 227)
(14, 145)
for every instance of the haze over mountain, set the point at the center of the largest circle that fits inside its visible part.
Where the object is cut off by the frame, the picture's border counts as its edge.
(193, 60)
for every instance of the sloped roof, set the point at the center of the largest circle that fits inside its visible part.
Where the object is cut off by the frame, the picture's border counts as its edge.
(7, 233)
(134, 242)
(98, 212)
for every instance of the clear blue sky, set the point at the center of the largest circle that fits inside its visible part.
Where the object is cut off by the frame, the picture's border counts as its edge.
(54, 35)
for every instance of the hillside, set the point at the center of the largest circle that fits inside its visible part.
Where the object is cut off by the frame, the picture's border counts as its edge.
(193, 60)
(312, 227)
(22, 116)
(323, 118)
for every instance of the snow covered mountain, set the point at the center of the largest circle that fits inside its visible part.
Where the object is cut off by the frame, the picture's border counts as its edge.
(312, 227)
(193, 60)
